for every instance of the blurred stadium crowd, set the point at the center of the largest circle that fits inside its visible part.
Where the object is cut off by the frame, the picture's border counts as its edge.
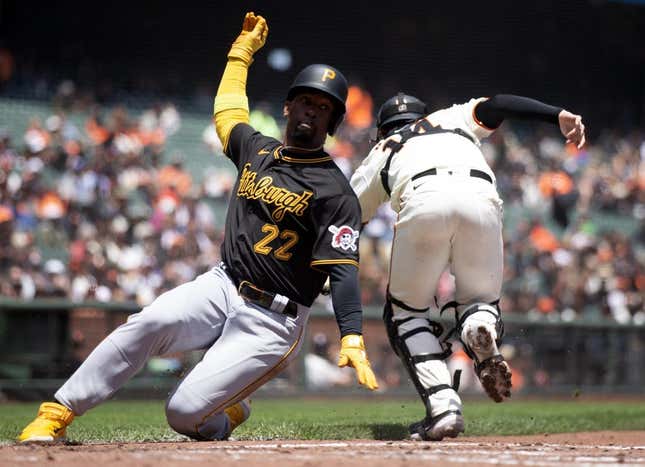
(103, 211)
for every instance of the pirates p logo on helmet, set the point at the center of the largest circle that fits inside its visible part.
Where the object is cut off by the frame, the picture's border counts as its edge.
(328, 74)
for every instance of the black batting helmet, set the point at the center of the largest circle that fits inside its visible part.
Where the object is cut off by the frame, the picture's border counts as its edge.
(327, 79)
(399, 110)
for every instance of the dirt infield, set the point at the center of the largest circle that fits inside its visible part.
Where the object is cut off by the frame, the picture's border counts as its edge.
(598, 448)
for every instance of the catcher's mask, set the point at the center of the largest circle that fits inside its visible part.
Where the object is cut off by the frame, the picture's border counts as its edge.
(398, 111)
(330, 81)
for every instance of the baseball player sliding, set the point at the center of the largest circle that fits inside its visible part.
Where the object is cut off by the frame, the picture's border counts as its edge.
(292, 222)
(449, 213)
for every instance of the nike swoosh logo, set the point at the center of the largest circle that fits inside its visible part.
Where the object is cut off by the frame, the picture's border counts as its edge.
(262, 152)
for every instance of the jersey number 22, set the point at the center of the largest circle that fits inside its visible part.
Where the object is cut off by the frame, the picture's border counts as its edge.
(289, 236)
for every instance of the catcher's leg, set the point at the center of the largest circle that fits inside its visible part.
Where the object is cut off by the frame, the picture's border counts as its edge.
(420, 254)
(414, 338)
(477, 263)
(481, 329)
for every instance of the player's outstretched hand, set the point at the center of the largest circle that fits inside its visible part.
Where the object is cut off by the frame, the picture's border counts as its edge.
(572, 128)
(352, 353)
(253, 36)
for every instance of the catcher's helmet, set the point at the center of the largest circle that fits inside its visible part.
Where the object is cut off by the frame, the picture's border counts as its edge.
(399, 110)
(328, 80)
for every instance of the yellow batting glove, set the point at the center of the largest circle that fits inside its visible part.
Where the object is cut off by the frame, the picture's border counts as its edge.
(251, 39)
(352, 353)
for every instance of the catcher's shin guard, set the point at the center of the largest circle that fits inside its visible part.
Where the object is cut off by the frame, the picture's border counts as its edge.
(481, 329)
(427, 370)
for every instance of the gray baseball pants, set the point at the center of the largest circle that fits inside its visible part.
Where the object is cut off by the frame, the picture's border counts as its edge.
(246, 345)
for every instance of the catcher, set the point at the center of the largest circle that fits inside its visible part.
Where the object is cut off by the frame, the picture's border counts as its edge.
(286, 233)
(449, 214)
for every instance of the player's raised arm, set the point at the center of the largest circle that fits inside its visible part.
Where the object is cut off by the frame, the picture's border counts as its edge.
(231, 104)
(492, 112)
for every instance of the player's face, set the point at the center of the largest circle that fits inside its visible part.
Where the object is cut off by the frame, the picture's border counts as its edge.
(308, 116)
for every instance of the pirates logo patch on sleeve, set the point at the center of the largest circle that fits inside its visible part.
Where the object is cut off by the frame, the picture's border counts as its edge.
(343, 237)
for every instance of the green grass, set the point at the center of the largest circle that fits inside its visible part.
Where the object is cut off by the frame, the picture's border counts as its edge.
(341, 419)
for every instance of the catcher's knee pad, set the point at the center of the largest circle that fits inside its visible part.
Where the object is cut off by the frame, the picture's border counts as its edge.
(425, 368)
(479, 313)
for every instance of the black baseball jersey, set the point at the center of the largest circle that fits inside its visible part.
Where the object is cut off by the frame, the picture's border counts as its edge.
(291, 213)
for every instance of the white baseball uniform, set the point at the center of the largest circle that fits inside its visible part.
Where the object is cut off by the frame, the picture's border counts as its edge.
(451, 216)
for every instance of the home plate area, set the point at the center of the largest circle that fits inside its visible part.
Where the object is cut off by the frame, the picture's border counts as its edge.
(593, 449)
